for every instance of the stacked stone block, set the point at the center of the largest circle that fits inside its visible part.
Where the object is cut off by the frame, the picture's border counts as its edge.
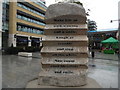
(65, 49)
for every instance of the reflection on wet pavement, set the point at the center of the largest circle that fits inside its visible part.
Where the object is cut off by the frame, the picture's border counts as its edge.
(17, 71)
(99, 55)
(105, 72)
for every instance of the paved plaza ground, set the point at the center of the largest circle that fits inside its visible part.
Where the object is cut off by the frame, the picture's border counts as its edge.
(17, 71)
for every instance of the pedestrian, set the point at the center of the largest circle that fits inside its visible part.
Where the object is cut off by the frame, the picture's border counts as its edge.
(93, 54)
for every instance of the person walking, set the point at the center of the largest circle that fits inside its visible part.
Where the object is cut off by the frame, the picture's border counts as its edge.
(92, 51)
(93, 54)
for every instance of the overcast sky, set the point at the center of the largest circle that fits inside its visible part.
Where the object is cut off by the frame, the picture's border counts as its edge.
(102, 11)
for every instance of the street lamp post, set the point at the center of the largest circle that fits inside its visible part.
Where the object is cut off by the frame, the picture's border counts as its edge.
(115, 20)
(119, 48)
(118, 36)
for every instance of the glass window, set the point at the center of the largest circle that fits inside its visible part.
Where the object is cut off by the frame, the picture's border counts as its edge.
(19, 16)
(29, 9)
(41, 32)
(22, 17)
(5, 25)
(19, 28)
(25, 18)
(32, 10)
(30, 30)
(33, 21)
(24, 7)
(29, 19)
(34, 31)
(19, 4)
(25, 29)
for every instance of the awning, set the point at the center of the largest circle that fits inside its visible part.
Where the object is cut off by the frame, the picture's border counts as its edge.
(110, 40)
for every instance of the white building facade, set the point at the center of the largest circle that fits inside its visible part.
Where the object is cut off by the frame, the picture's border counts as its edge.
(0, 25)
(0, 44)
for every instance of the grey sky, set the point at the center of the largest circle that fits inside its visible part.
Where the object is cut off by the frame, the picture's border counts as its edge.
(102, 11)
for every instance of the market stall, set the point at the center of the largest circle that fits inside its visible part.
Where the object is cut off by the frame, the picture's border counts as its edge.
(109, 45)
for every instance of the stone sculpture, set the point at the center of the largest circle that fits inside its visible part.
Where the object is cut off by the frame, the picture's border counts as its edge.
(65, 51)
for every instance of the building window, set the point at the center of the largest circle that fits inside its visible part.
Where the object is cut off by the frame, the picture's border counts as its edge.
(30, 20)
(5, 25)
(19, 28)
(28, 29)
(40, 3)
(29, 9)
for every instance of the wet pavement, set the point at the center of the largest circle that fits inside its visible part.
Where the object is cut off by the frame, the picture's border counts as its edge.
(105, 72)
(0, 71)
(100, 55)
(17, 71)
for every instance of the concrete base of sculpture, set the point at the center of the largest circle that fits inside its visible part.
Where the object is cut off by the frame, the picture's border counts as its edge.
(91, 83)
(64, 81)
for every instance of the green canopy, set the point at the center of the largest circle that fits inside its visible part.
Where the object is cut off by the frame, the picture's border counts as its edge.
(110, 40)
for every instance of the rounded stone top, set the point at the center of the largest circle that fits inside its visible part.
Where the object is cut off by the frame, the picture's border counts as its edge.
(65, 10)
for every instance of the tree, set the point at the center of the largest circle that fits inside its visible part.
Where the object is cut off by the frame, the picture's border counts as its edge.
(92, 25)
(70, 1)
(77, 2)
